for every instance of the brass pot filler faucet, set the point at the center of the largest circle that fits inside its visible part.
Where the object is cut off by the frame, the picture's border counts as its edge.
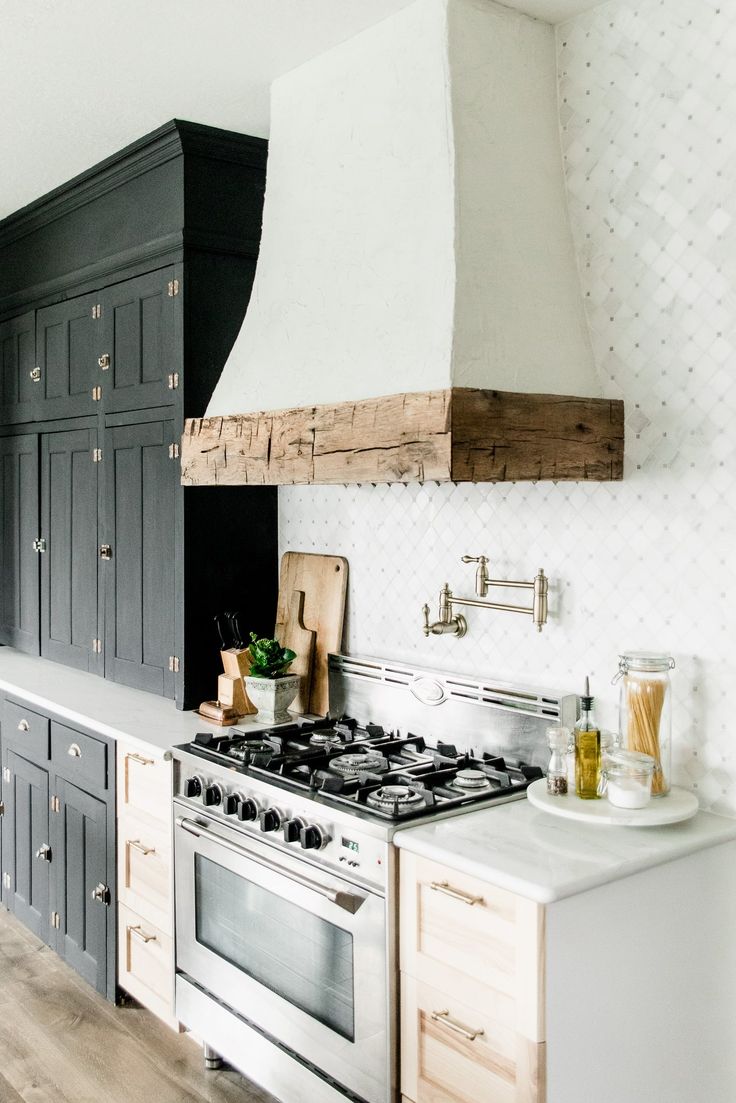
(454, 624)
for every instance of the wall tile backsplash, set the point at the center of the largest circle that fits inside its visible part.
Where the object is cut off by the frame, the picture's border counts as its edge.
(647, 98)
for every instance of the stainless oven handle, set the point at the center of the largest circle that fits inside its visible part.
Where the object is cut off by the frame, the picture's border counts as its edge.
(348, 901)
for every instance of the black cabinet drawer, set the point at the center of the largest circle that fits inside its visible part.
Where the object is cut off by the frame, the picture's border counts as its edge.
(79, 758)
(26, 731)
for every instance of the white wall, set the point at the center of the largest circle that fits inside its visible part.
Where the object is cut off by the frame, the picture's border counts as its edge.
(647, 104)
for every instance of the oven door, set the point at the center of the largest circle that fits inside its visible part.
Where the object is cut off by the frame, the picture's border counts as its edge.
(293, 948)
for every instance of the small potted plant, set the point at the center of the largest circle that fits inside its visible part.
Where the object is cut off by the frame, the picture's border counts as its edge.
(268, 685)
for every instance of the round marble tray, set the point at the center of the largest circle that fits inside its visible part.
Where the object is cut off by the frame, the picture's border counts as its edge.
(679, 804)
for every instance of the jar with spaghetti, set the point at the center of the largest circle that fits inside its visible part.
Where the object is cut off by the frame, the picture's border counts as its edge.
(645, 711)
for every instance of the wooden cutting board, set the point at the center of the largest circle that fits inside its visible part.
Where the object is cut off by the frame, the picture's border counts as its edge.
(293, 634)
(324, 581)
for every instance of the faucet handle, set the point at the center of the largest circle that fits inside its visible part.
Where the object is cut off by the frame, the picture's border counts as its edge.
(427, 629)
(474, 559)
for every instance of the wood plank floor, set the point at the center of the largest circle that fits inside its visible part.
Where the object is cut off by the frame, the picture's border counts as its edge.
(60, 1042)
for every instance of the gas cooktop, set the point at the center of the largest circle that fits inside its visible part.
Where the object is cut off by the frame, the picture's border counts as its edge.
(362, 766)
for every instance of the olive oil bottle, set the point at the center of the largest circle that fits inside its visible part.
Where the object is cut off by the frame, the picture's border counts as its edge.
(587, 749)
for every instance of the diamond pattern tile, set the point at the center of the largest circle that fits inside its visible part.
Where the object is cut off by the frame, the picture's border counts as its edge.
(647, 97)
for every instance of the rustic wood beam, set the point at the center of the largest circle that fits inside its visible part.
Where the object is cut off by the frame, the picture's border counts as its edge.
(459, 434)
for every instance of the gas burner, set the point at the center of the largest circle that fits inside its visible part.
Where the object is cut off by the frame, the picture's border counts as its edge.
(350, 765)
(398, 799)
(470, 781)
(327, 737)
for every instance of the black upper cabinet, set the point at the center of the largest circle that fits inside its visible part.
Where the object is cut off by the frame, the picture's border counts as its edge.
(18, 374)
(139, 578)
(19, 532)
(121, 294)
(69, 496)
(65, 359)
(137, 362)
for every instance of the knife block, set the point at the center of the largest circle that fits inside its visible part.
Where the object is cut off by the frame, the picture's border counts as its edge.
(230, 685)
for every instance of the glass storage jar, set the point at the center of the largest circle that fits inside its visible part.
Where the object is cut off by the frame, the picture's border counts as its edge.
(645, 711)
(626, 778)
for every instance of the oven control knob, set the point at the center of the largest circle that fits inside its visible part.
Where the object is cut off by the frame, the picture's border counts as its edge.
(193, 786)
(313, 838)
(292, 830)
(231, 804)
(270, 820)
(212, 795)
(247, 809)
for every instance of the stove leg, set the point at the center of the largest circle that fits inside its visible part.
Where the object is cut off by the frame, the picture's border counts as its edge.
(212, 1060)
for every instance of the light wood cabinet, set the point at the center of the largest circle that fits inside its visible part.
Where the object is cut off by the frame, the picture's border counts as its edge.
(472, 989)
(145, 879)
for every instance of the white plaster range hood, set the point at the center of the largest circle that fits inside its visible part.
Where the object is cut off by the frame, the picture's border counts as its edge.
(416, 311)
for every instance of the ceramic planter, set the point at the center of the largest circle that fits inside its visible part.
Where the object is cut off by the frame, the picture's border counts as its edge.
(272, 696)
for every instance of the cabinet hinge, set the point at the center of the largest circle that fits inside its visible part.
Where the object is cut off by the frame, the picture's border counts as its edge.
(174, 664)
(96, 455)
(39, 545)
(173, 288)
(173, 451)
(173, 380)
(2, 808)
(6, 881)
(55, 920)
(6, 773)
(96, 394)
(97, 310)
(55, 804)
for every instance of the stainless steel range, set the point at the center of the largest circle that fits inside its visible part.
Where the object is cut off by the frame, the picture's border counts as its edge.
(285, 872)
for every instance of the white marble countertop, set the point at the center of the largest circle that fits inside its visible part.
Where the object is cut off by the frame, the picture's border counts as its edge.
(93, 702)
(546, 858)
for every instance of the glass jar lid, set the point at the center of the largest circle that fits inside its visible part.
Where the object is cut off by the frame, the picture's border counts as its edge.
(630, 762)
(645, 660)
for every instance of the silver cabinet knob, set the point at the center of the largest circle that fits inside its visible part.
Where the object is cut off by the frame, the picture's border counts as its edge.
(101, 894)
(23, 725)
(74, 750)
(44, 853)
(35, 374)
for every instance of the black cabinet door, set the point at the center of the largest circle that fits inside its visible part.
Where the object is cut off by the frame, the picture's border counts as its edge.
(138, 348)
(67, 338)
(69, 612)
(140, 510)
(19, 528)
(19, 381)
(26, 844)
(79, 847)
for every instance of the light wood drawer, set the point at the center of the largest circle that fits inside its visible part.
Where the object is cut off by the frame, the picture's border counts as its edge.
(146, 963)
(144, 868)
(144, 782)
(450, 1053)
(475, 942)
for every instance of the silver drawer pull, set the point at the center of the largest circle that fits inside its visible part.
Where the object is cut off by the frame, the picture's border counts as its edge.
(74, 750)
(23, 725)
(457, 1028)
(447, 890)
(140, 933)
(138, 845)
(139, 759)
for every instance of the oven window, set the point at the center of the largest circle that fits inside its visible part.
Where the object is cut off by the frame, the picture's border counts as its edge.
(302, 957)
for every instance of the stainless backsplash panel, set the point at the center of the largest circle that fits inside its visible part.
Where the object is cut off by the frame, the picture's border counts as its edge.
(479, 715)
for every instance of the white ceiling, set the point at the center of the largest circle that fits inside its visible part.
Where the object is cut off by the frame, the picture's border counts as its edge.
(79, 79)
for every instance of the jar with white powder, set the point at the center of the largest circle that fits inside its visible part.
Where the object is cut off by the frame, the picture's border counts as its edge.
(626, 778)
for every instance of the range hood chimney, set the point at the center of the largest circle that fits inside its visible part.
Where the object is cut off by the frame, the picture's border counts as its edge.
(416, 312)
